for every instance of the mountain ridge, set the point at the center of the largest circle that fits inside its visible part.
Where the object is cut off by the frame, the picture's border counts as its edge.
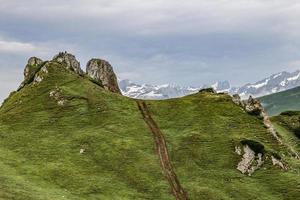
(275, 83)
(64, 135)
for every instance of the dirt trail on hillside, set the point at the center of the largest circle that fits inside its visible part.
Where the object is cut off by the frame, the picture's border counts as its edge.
(162, 151)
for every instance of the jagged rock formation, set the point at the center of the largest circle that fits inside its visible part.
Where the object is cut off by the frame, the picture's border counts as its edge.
(98, 70)
(250, 162)
(69, 60)
(277, 162)
(32, 63)
(254, 107)
(30, 70)
(254, 156)
(102, 71)
(237, 100)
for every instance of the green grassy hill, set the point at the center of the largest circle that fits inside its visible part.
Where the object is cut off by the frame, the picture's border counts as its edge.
(282, 101)
(65, 137)
(289, 124)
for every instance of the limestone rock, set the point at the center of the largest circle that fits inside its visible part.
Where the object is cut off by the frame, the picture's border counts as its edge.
(253, 106)
(250, 162)
(56, 94)
(82, 151)
(69, 60)
(277, 162)
(102, 71)
(37, 79)
(32, 63)
(31, 68)
(237, 100)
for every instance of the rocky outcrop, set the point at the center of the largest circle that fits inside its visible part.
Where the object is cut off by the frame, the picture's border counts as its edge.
(237, 100)
(56, 94)
(31, 67)
(250, 161)
(254, 107)
(254, 156)
(69, 60)
(98, 70)
(101, 71)
(279, 163)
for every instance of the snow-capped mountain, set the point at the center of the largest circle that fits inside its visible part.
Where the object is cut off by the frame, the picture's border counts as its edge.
(221, 86)
(275, 83)
(147, 91)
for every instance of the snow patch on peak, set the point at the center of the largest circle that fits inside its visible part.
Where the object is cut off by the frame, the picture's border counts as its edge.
(259, 84)
(294, 77)
(277, 75)
(221, 86)
(215, 85)
(275, 83)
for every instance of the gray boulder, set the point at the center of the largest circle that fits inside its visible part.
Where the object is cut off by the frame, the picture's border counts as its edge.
(237, 100)
(31, 66)
(253, 106)
(101, 71)
(69, 60)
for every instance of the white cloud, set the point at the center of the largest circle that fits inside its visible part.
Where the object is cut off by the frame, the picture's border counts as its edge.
(17, 47)
(45, 49)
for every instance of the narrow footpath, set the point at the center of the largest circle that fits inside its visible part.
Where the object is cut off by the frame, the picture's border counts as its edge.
(162, 151)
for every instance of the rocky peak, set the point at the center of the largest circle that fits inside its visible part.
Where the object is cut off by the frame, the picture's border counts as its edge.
(237, 100)
(34, 61)
(69, 60)
(100, 70)
(253, 106)
(32, 64)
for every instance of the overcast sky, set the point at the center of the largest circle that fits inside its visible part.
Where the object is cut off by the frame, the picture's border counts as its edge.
(190, 42)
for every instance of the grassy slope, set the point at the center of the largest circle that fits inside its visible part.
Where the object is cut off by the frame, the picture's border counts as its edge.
(40, 144)
(288, 123)
(202, 131)
(282, 101)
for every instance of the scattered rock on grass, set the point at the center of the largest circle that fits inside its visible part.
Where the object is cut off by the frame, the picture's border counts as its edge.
(57, 96)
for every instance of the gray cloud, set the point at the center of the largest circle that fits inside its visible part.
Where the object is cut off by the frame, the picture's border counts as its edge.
(191, 42)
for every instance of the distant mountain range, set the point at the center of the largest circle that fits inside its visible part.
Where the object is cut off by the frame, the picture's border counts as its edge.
(275, 83)
(147, 91)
